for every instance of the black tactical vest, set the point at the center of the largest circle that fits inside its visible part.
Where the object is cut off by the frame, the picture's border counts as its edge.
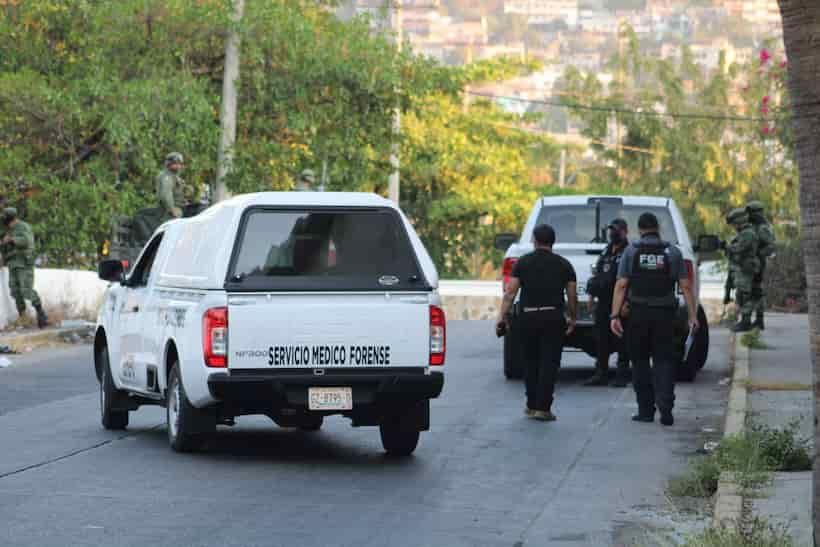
(650, 282)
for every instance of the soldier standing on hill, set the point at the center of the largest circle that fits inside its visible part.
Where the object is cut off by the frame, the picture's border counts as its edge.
(18, 254)
(744, 265)
(765, 250)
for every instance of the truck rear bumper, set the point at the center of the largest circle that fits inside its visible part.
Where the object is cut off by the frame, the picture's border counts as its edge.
(265, 391)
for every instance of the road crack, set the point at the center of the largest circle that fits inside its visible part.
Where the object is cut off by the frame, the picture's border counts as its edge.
(75, 453)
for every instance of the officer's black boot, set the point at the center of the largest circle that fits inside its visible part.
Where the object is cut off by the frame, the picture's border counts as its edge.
(600, 378)
(666, 417)
(745, 324)
(42, 318)
(758, 324)
(645, 415)
(623, 375)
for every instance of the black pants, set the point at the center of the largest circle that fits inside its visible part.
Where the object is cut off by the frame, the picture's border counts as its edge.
(608, 343)
(652, 337)
(543, 338)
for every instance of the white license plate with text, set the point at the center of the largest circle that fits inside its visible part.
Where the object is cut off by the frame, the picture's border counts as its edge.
(330, 398)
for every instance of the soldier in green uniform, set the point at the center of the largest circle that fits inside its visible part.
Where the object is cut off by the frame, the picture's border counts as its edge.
(765, 250)
(170, 187)
(18, 254)
(743, 265)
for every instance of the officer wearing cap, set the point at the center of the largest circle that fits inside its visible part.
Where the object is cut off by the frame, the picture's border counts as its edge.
(765, 250)
(170, 187)
(17, 247)
(649, 271)
(601, 286)
(543, 278)
(305, 181)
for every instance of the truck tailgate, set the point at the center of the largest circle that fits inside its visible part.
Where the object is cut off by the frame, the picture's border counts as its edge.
(321, 330)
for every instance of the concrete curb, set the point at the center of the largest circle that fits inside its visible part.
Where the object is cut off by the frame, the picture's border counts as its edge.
(18, 342)
(729, 498)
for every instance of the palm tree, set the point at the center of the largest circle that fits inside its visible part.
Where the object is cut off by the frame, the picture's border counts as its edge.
(801, 34)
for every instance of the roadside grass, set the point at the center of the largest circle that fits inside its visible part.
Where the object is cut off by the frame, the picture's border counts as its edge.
(750, 456)
(752, 340)
(756, 533)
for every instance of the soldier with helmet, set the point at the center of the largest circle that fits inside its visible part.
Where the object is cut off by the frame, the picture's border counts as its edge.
(744, 265)
(765, 250)
(305, 181)
(170, 187)
(17, 247)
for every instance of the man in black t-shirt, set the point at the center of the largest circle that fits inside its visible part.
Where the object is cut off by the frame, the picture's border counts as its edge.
(543, 278)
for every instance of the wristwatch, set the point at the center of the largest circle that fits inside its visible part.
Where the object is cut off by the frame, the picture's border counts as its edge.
(615, 316)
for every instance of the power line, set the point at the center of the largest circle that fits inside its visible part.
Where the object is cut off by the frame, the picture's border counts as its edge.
(621, 110)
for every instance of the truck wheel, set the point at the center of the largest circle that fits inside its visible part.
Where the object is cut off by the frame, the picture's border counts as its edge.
(111, 419)
(312, 423)
(688, 370)
(397, 439)
(513, 361)
(181, 416)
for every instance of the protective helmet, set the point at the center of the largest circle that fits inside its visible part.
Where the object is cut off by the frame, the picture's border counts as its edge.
(308, 176)
(738, 217)
(173, 157)
(754, 207)
(9, 214)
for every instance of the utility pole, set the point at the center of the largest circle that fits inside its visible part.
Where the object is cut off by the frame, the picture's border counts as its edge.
(563, 169)
(227, 115)
(393, 180)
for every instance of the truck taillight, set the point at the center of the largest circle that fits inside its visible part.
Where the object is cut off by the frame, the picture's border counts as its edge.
(215, 337)
(438, 336)
(507, 270)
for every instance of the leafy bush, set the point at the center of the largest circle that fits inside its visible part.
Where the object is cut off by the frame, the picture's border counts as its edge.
(750, 456)
(757, 533)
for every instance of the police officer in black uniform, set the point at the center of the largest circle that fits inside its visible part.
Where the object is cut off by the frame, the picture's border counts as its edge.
(544, 278)
(650, 270)
(601, 286)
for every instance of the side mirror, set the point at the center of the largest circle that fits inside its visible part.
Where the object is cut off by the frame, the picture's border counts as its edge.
(111, 270)
(707, 244)
(504, 241)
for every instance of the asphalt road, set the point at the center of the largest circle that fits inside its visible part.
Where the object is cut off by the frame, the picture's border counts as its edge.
(483, 476)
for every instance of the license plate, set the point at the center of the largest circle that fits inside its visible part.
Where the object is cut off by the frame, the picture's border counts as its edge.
(330, 398)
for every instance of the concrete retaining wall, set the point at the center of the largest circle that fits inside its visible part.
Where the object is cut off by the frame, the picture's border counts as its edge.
(65, 294)
(77, 294)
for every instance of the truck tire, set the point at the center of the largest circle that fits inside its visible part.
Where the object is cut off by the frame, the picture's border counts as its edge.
(111, 419)
(312, 423)
(688, 370)
(184, 421)
(398, 440)
(513, 360)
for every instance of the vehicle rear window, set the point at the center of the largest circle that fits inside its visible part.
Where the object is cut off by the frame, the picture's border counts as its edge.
(576, 223)
(290, 249)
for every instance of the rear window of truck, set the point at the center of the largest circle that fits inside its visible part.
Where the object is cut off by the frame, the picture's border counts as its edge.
(576, 223)
(326, 250)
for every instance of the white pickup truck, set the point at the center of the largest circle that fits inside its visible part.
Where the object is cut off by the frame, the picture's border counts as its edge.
(291, 305)
(580, 225)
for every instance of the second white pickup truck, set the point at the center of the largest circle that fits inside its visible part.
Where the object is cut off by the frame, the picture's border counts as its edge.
(580, 225)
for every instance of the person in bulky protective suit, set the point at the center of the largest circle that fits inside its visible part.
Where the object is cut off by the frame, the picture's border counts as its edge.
(18, 254)
(171, 187)
(744, 265)
(601, 286)
(765, 250)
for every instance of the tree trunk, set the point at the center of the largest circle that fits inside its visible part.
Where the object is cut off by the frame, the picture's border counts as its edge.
(801, 34)
(227, 117)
